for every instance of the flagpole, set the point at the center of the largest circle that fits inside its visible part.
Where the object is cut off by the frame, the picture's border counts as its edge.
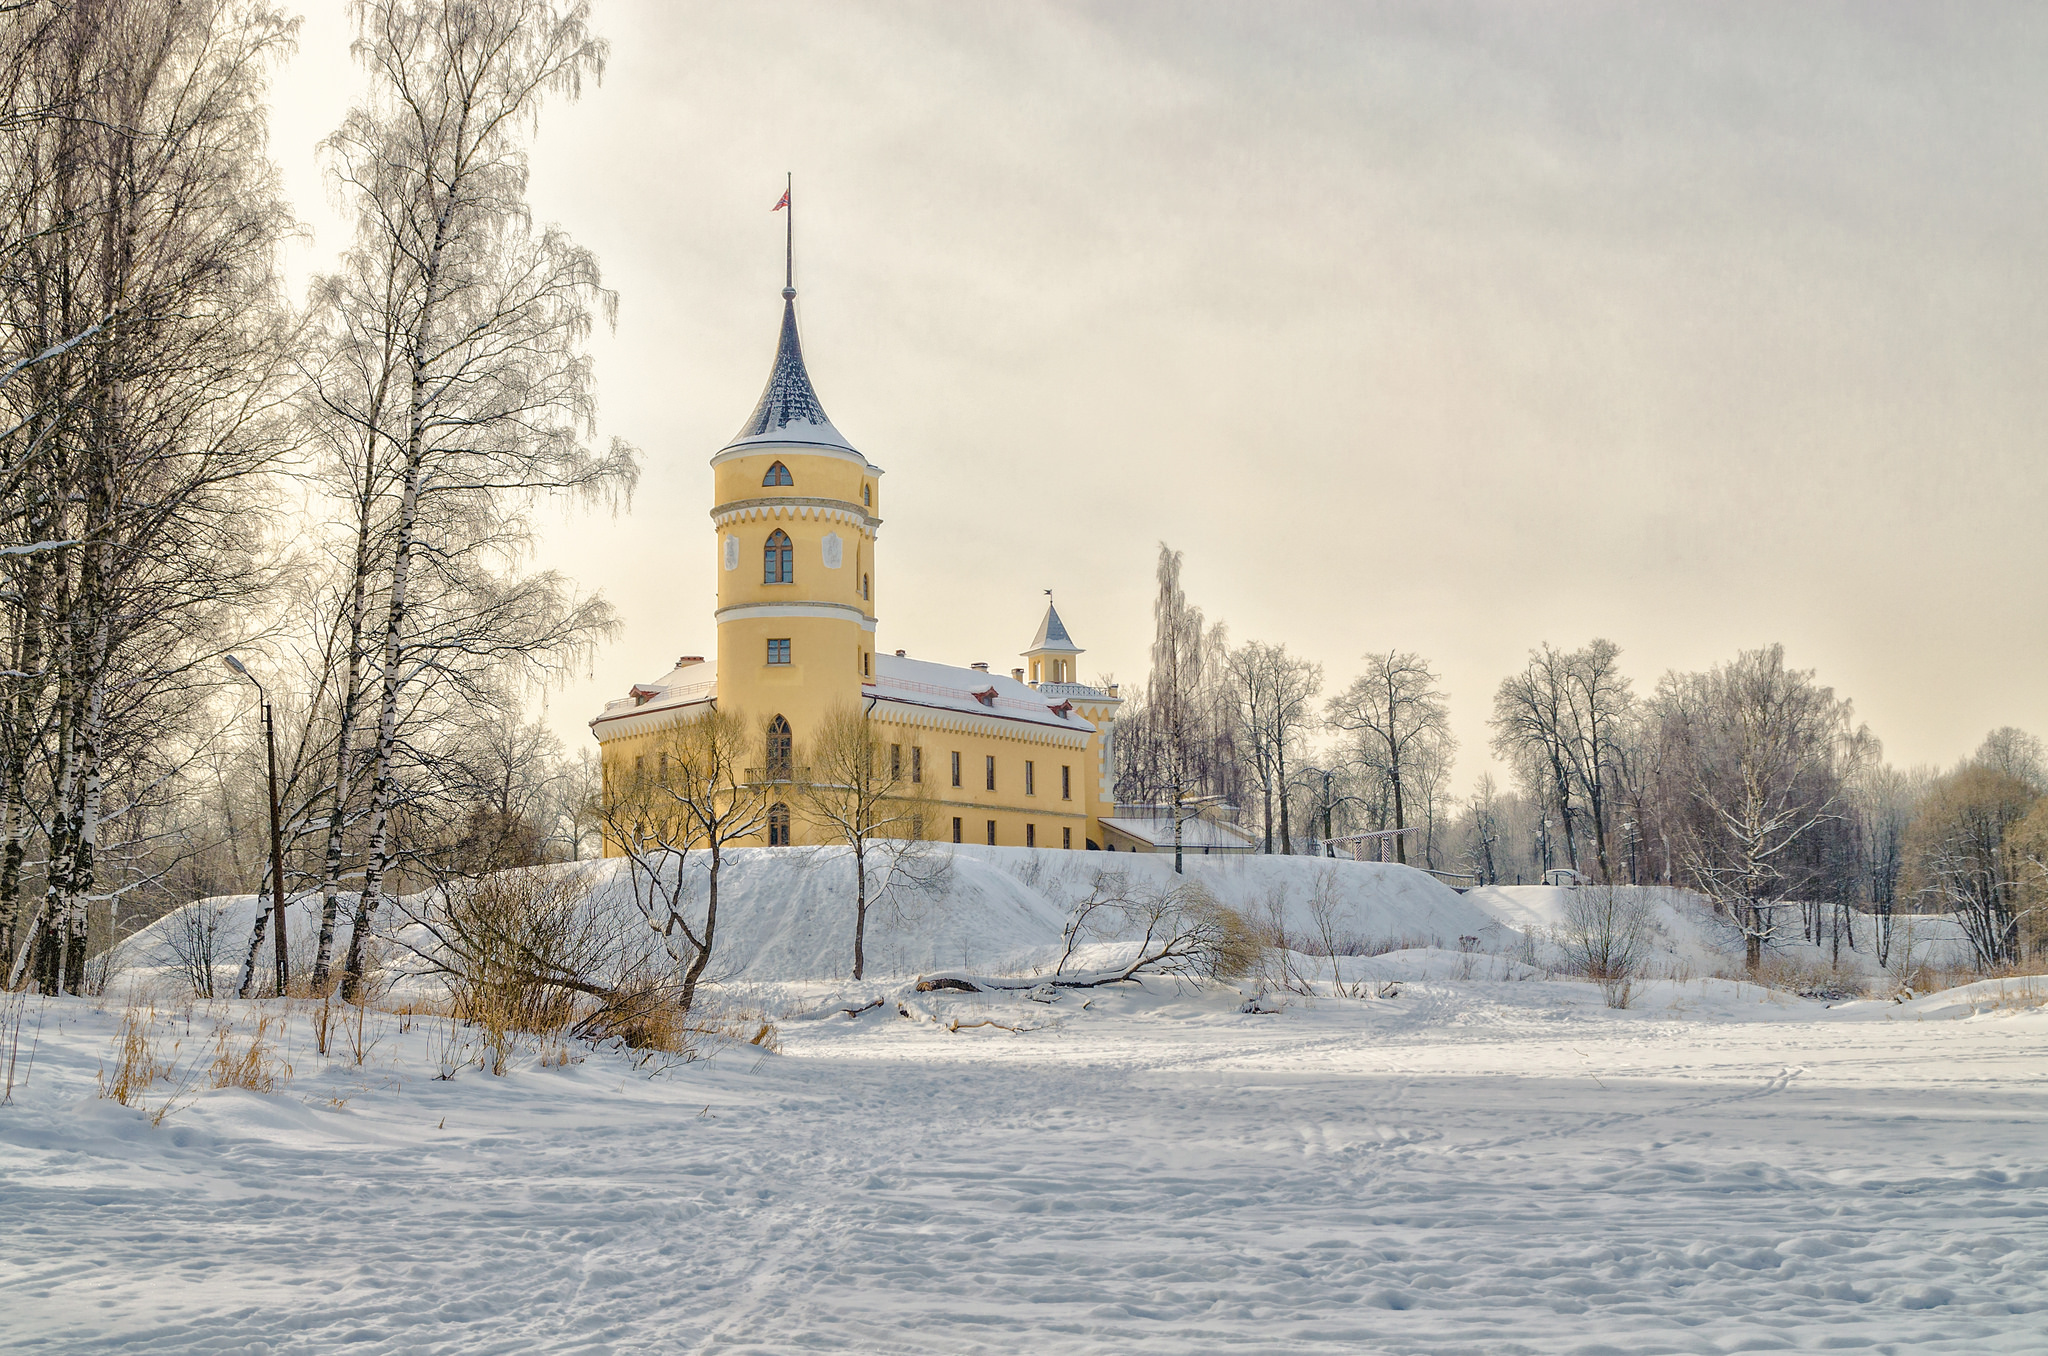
(789, 239)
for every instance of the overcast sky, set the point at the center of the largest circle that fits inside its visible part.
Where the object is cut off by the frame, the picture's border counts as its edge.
(1446, 328)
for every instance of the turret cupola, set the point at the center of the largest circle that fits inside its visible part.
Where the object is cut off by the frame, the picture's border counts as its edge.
(1052, 656)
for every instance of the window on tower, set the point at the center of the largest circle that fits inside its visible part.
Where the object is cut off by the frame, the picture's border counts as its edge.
(863, 588)
(780, 741)
(778, 826)
(867, 495)
(778, 651)
(778, 559)
(778, 474)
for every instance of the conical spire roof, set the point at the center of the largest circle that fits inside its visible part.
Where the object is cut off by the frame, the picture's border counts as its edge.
(1052, 634)
(789, 411)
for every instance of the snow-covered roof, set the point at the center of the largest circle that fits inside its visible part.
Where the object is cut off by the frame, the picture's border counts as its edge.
(1195, 834)
(1052, 634)
(946, 687)
(683, 685)
(788, 411)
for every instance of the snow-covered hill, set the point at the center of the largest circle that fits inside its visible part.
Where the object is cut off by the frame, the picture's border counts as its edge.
(1691, 939)
(786, 914)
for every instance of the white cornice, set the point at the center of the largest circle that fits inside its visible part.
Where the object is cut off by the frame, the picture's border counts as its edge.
(835, 611)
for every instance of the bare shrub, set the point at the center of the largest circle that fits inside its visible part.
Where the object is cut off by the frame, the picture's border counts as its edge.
(1186, 931)
(526, 953)
(194, 940)
(1606, 937)
(644, 1015)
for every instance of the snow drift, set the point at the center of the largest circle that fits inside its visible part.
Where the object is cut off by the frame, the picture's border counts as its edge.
(786, 914)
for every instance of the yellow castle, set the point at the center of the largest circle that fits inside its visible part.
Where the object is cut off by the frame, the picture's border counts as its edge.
(1022, 760)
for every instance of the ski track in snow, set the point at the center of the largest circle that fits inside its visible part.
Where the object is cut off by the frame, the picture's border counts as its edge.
(1485, 1168)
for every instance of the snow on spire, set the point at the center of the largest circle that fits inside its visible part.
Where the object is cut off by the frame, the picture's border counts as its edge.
(1052, 632)
(789, 410)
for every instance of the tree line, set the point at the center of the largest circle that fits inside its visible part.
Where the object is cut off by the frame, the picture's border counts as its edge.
(342, 488)
(1751, 782)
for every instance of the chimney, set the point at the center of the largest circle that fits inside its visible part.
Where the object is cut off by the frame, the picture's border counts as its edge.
(899, 654)
(688, 660)
(1018, 674)
(1112, 689)
(979, 668)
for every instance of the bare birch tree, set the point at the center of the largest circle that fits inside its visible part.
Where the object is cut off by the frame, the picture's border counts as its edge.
(484, 318)
(148, 347)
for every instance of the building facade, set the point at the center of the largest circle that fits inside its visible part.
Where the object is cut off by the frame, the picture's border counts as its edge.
(1022, 759)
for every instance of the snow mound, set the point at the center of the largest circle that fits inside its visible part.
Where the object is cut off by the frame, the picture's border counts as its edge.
(786, 914)
(1692, 939)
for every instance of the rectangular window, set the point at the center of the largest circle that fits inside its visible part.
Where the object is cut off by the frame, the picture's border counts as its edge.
(956, 828)
(1030, 835)
(1030, 778)
(956, 768)
(1066, 783)
(916, 763)
(991, 833)
(778, 652)
(917, 827)
(1066, 838)
(895, 762)
(991, 772)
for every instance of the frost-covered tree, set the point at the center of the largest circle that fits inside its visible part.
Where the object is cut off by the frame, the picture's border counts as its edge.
(141, 382)
(465, 382)
(1964, 856)
(1271, 696)
(1758, 758)
(1396, 720)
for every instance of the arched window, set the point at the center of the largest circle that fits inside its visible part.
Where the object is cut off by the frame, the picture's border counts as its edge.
(778, 559)
(780, 740)
(863, 588)
(778, 474)
(778, 825)
(867, 495)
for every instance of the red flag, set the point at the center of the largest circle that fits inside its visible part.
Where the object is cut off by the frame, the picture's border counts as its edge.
(783, 203)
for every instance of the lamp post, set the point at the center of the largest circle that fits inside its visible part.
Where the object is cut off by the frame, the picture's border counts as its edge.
(276, 829)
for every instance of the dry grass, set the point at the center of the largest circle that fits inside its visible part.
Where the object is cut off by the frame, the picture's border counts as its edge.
(250, 1063)
(137, 1065)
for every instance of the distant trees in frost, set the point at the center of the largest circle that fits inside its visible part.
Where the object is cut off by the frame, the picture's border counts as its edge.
(1750, 782)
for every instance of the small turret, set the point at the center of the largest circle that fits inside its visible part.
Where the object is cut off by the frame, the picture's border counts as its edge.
(1052, 656)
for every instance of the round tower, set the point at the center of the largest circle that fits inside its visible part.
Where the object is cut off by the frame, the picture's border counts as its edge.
(795, 509)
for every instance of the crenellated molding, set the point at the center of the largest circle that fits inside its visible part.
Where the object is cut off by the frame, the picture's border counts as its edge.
(897, 711)
(796, 510)
(629, 724)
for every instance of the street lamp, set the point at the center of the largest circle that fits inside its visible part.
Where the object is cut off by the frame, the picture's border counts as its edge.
(276, 830)
(1184, 809)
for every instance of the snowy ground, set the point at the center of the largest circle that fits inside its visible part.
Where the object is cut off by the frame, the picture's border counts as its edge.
(1471, 1167)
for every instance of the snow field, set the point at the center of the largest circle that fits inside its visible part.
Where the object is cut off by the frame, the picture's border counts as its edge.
(1474, 1166)
(1489, 1162)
